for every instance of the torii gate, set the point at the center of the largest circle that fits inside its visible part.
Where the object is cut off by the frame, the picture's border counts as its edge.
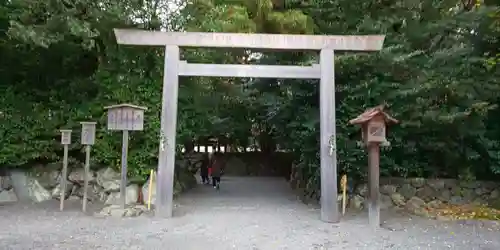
(174, 68)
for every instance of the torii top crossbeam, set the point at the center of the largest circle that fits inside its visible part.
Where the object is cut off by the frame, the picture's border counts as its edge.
(250, 41)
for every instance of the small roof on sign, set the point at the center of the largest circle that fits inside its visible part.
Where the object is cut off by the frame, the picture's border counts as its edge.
(88, 123)
(125, 105)
(371, 113)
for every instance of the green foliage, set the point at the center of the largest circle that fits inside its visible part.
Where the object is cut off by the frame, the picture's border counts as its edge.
(438, 73)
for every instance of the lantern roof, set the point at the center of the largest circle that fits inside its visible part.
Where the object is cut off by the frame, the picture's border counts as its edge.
(371, 113)
(125, 105)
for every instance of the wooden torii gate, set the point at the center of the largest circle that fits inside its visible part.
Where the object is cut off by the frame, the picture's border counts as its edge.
(174, 68)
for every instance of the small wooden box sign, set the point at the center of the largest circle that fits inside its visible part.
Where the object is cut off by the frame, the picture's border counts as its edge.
(65, 136)
(125, 117)
(88, 133)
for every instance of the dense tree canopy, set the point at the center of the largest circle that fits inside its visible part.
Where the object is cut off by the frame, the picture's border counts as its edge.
(438, 73)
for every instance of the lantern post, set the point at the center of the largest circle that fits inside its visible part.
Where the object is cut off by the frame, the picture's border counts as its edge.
(373, 133)
(87, 139)
(65, 141)
(125, 118)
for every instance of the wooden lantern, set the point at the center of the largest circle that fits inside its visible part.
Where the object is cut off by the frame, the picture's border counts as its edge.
(373, 124)
(125, 117)
(373, 130)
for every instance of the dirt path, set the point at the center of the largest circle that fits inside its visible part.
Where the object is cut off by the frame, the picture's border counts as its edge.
(247, 213)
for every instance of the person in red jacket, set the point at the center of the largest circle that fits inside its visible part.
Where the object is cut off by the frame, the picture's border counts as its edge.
(216, 169)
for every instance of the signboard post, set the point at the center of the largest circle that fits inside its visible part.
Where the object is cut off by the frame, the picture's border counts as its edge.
(125, 118)
(88, 139)
(65, 141)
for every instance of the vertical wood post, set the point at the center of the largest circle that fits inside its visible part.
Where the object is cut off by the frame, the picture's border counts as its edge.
(64, 178)
(166, 159)
(123, 182)
(86, 178)
(329, 206)
(373, 185)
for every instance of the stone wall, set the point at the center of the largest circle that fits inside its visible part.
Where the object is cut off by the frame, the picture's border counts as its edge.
(415, 194)
(43, 182)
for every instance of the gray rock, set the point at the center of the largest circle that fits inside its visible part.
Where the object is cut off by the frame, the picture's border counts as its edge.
(362, 190)
(107, 174)
(118, 211)
(357, 202)
(456, 200)
(450, 183)
(417, 182)
(94, 193)
(131, 192)
(56, 192)
(78, 175)
(436, 184)
(434, 204)
(28, 188)
(38, 192)
(7, 196)
(468, 195)
(489, 185)
(469, 184)
(479, 201)
(47, 178)
(445, 195)
(398, 199)
(494, 203)
(5, 182)
(495, 194)
(480, 191)
(426, 193)
(111, 185)
(407, 191)
(108, 179)
(414, 204)
(456, 191)
(385, 202)
(178, 187)
(73, 198)
(388, 189)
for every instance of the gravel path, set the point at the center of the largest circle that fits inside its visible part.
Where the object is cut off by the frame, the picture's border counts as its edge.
(247, 213)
